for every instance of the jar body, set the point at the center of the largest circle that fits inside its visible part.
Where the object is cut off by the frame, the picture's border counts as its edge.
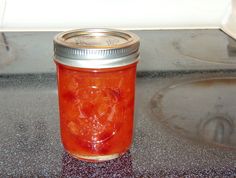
(96, 110)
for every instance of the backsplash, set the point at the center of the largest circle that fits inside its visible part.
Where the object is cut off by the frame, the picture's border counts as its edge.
(126, 14)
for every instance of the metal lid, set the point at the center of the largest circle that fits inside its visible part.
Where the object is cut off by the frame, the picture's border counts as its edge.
(96, 48)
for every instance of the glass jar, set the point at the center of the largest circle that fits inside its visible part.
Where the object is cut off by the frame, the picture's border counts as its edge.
(96, 72)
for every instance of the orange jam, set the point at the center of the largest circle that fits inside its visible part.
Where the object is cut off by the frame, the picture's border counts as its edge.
(96, 72)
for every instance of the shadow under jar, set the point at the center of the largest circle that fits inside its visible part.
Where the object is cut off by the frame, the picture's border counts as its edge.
(96, 72)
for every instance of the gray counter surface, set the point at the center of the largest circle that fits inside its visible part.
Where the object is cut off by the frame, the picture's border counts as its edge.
(163, 145)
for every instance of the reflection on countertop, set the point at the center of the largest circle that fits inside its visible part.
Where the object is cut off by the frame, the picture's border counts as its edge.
(120, 167)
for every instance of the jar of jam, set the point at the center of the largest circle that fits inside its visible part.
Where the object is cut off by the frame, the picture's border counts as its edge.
(96, 72)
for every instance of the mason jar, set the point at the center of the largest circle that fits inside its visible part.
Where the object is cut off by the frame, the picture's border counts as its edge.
(96, 72)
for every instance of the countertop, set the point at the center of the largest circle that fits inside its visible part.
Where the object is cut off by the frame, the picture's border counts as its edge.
(172, 63)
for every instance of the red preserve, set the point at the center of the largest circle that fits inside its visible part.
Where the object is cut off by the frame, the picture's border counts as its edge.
(96, 72)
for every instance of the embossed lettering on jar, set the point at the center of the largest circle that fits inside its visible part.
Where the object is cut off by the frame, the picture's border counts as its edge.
(96, 71)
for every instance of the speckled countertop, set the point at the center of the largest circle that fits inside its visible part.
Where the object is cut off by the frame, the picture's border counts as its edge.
(163, 146)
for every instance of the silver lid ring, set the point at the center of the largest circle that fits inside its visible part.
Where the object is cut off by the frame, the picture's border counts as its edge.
(96, 48)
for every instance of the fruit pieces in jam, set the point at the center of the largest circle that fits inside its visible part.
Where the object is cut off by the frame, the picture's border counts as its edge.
(96, 109)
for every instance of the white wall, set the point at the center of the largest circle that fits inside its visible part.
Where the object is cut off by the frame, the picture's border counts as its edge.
(126, 14)
(229, 20)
